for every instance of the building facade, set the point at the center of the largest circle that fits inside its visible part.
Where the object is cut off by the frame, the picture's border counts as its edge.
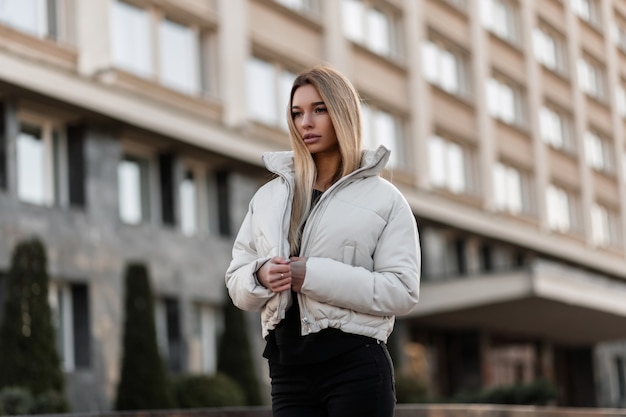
(133, 130)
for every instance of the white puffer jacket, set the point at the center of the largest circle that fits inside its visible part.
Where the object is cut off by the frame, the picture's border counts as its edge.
(362, 245)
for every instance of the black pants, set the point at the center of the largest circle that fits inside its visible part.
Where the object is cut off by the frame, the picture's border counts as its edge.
(358, 383)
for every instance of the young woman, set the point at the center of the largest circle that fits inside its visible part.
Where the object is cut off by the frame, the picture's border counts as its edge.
(329, 253)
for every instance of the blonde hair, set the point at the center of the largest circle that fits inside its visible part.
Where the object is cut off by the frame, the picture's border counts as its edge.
(343, 104)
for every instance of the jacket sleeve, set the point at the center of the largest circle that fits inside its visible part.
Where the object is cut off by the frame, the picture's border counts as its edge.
(243, 287)
(392, 288)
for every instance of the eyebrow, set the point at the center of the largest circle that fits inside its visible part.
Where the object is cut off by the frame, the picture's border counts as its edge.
(317, 103)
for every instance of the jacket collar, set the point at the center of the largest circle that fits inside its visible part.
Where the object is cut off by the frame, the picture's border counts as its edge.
(373, 162)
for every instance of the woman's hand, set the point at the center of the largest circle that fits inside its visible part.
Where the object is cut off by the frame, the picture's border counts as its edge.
(275, 274)
(298, 272)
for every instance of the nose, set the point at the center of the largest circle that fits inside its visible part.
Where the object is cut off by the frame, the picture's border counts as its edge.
(306, 120)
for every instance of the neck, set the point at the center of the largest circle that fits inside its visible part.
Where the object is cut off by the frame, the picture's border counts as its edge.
(326, 167)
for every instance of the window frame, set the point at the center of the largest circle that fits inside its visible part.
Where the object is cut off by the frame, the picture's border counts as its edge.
(511, 32)
(150, 193)
(554, 220)
(592, 77)
(598, 151)
(448, 182)
(434, 50)
(565, 142)
(397, 144)
(498, 110)
(394, 47)
(541, 33)
(55, 159)
(520, 203)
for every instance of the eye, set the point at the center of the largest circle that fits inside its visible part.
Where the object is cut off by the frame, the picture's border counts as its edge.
(295, 114)
(320, 110)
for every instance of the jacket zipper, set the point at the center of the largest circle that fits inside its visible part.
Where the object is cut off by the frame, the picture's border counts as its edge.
(283, 298)
(321, 205)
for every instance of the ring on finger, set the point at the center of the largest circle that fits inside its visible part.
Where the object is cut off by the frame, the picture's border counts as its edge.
(282, 275)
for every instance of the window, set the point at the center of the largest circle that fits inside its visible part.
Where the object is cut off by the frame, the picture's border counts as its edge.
(620, 99)
(449, 165)
(269, 86)
(302, 6)
(459, 4)
(131, 42)
(383, 128)
(370, 26)
(619, 33)
(591, 78)
(598, 152)
(42, 163)
(446, 66)
(36, 17)
(555, 128)
(133, 175)
(560, 209)
(620, 376)
(203, 346)
(502, 18)
(178, 60)
(587, 10)
(3, 293)
(71, 318)
(189, 204)
(505, 101)
(549, 49)
(511, 190)
(604, 226)
(169, 337)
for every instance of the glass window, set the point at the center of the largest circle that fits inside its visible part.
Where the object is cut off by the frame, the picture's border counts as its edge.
(133, 190)
(590, 78)
(70, 316)
(131, 41)
(500, 16)
(597, 152)
(448, 165)
(549, 49)
(620, 94)
(369, 26)
(268, 92)
(504, 101)
(41, 164)
(383, 128)
(178, 57)
(444, 66)
(510, 192)
(600, 233)
(204, 341)
(555, 129)
(559, 209)
(31, 16)
(169, 336)
(189, 204)
(302, 6)
(587, 10)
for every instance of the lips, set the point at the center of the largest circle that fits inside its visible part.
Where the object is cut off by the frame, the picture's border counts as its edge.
(310, 138)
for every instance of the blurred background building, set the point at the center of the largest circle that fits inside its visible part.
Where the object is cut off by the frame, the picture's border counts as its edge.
(132, 130)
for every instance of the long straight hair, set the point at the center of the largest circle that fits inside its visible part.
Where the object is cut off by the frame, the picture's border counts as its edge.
(343, 105)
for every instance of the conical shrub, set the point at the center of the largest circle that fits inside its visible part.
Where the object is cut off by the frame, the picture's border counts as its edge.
(143, 381)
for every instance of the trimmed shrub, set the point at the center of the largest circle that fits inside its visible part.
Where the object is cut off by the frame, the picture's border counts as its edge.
(143, 382)
(538, 392)
(50, 402)
(410, 389)
(200, 391)
(28, 353)
(235, 356)
(15, 401)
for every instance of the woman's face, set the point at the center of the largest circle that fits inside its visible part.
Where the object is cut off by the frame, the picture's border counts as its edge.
(312, 121)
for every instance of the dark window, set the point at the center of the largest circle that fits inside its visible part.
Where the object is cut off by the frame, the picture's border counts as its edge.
(174, 339)
(2, 294)
(223, 203)
(76, 162)
(3, 153)
(80, 321)
(621, 378)
(486, 257)
(461, 258)
(166, 170)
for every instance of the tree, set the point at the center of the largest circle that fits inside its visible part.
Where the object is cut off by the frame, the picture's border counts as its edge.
(143, 383)
(235, 356)
(28, 353)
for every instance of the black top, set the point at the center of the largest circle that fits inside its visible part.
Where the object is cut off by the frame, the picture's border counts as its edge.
(285, 344)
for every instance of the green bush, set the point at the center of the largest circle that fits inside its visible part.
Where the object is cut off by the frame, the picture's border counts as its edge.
(50, 402)
(410, 389)
(15, 401)
(200, 391)
(538, 392)
(28, 354)
(143, 382)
